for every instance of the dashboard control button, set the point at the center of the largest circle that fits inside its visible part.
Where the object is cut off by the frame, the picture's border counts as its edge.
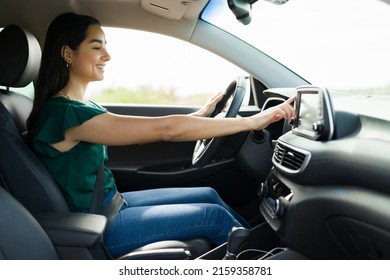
(318, 127)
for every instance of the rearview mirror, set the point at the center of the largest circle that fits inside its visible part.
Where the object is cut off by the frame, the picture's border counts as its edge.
(242, 9)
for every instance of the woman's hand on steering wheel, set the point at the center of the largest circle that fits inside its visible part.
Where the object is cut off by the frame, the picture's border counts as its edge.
(210, 106)
(205, 149)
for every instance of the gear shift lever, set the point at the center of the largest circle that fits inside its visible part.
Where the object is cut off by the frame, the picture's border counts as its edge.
(238, 236)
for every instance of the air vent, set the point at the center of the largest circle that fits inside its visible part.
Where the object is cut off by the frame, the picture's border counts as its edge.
(290, 159)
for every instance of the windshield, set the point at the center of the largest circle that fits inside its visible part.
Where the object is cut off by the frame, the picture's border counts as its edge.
(340, 44)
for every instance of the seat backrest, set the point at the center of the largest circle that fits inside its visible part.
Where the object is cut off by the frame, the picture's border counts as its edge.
(21, 171)
(21, 236)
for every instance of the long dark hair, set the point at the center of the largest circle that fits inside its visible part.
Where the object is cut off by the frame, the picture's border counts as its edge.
(67, 29)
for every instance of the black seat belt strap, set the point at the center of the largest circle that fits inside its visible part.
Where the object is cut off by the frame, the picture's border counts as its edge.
(96, 206)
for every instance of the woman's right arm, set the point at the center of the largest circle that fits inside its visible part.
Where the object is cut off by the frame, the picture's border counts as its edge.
(111, 129)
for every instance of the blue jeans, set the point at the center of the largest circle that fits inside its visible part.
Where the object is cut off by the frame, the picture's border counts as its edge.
(170, 214)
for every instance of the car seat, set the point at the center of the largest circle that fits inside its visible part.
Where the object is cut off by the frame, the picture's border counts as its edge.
(16, 223)
(21, 173)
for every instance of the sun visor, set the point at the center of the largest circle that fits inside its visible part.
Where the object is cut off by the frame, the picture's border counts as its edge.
(172, 9)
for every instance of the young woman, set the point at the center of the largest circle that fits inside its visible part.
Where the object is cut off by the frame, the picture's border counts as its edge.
(70, 136)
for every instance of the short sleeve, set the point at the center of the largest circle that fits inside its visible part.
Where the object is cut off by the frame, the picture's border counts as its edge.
(59, 115)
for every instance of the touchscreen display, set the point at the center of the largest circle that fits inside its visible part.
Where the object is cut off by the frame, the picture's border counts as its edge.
(315, 113)
(308, 111)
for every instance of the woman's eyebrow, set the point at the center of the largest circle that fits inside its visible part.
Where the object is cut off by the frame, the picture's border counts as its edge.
(97, 41)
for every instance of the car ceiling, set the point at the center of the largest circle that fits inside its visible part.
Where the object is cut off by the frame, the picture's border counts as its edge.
(159, 16)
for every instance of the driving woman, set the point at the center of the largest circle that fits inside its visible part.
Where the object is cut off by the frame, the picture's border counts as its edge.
(70, 135)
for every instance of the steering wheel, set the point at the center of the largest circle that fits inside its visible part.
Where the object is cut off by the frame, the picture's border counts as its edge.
(206, 149)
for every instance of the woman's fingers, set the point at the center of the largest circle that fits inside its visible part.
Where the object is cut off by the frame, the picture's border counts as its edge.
(284, 110)
(288, 109)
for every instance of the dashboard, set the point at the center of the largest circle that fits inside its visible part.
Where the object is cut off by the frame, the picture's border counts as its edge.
(327, 194)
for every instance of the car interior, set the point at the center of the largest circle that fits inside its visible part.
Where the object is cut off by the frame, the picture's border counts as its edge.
(313, 188)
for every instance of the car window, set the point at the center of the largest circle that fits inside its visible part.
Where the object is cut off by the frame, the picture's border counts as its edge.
(148, 68)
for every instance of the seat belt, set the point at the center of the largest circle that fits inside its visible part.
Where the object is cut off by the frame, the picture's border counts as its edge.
(96, 206)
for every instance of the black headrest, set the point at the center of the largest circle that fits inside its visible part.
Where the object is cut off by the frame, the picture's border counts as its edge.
(20, 57)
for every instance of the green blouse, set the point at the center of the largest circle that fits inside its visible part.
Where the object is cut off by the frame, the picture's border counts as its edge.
(75, 170)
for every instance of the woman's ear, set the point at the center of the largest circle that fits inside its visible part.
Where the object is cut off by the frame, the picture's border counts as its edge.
(66, 54)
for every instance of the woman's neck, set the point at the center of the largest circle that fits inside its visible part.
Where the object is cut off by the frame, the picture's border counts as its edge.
(73, 92)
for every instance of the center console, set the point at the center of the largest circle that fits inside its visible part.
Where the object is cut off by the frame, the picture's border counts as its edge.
(275, 198)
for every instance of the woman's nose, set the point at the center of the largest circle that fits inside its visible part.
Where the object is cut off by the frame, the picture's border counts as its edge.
(106, 56)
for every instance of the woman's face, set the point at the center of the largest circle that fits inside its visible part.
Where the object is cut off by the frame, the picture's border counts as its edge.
(88, 61)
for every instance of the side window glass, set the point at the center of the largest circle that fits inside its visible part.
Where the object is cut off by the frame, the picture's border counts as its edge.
(147, 68)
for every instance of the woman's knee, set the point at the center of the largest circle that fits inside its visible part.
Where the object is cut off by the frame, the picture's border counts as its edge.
(212, 194)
